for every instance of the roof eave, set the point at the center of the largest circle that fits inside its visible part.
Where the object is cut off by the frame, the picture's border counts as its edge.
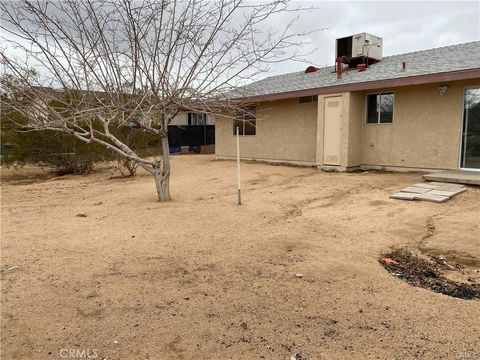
(370, 85)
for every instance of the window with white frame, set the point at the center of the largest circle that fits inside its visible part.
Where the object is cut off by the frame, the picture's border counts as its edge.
(197, 118)
(245, 119)
(380, 108)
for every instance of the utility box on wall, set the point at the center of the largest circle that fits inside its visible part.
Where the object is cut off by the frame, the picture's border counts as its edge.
(359, 46)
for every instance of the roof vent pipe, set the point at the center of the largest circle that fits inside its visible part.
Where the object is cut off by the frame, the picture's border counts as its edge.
(339, 67)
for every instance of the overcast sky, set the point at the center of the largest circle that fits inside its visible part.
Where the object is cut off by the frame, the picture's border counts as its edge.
(405, 26)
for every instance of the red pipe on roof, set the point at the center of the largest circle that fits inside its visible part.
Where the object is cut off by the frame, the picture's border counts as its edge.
(311, 69)
(339, 67)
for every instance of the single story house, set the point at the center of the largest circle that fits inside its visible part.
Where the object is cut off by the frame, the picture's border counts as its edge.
(407, 112)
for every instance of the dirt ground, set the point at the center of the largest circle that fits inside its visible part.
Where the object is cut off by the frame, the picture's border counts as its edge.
(203, 278)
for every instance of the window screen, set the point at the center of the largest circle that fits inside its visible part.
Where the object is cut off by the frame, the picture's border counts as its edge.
(197, 118)
(308, 99)
(380, 108)
(245, 120)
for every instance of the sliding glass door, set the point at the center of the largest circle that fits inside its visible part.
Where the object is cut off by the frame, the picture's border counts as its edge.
(470, 158)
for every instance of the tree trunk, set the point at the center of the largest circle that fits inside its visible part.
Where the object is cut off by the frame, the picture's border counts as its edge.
(163, 186)
(162, 174)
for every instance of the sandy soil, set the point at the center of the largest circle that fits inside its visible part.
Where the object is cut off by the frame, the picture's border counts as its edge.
(203, 278)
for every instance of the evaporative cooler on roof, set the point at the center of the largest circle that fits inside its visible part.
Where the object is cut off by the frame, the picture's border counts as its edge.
(360, 48)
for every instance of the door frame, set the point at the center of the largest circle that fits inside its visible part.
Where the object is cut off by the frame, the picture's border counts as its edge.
(341, 99)
(462, 128)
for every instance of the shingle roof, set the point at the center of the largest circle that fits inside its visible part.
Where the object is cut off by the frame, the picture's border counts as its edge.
(432, 61)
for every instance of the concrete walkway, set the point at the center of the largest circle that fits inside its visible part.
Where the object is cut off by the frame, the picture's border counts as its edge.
(455, 176)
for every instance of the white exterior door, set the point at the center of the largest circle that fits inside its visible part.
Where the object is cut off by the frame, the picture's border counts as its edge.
(332, 134)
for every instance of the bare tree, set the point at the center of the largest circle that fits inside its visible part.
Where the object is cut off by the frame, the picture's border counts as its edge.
(86, 67)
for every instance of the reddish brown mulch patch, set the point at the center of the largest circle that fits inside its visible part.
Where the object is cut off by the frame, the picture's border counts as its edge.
(423, 273)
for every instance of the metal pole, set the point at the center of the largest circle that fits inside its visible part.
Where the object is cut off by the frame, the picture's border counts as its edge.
(205, 132)
(239, 191)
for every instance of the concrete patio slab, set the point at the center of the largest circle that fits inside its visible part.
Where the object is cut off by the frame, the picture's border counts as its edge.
(403, 196)
(445, 184)
(427, 185)
(455, 176)
(436, 192)
(416, 190)
(432, 197)
(449, 193)
(451, 187)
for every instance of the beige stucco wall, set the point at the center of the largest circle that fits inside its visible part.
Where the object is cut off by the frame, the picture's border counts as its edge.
(286, 131)
(425, 132)
(354, 139)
